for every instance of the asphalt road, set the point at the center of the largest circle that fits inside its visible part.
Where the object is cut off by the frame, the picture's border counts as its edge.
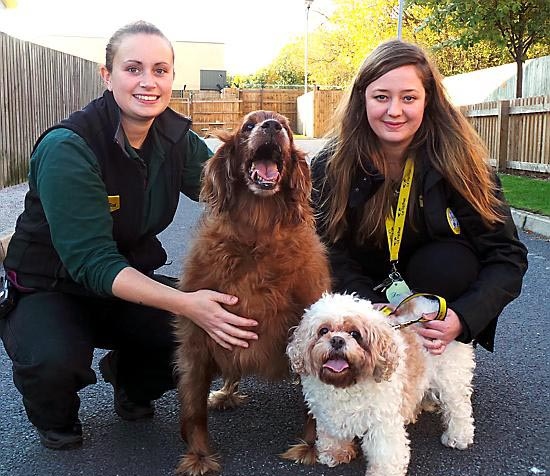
(511, 407)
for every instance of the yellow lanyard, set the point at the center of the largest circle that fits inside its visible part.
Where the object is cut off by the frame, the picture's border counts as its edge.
(395, 226)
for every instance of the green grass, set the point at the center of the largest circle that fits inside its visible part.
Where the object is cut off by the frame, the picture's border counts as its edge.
(526, 193)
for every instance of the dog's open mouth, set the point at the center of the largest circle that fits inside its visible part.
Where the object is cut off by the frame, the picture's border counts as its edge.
(265, 167)
(336, 365)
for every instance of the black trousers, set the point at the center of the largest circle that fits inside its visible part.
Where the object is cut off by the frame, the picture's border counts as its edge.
(51, 336)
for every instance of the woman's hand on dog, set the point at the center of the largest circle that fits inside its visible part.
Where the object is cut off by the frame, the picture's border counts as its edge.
(204, 309)
(438, 334)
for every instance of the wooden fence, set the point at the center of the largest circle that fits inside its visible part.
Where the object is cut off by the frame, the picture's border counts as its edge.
(325, 103)
(226, 110)
(38, 87)
(517, 132)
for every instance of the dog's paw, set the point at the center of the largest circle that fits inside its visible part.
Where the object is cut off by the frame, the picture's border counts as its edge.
(341, 455)
(302, 453)
(382, 470)
(325, 457)
(430, 403)
(193, 464)
(459, 441)
(226, 400)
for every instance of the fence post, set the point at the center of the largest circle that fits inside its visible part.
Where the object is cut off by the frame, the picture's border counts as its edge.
(503, 128)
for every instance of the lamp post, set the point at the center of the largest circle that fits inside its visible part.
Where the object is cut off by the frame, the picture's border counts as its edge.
(308, 6)
(400, 20)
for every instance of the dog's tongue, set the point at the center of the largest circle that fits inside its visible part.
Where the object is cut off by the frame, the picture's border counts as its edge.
(336, 365)
(266, 169)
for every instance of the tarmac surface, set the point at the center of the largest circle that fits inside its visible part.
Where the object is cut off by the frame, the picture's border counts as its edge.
(511, 401)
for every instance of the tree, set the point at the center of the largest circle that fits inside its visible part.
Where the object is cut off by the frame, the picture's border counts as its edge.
(517, 25)
(337, 48)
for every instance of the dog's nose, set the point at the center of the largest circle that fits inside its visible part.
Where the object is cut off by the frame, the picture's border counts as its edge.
(337, 342)
(272, 126)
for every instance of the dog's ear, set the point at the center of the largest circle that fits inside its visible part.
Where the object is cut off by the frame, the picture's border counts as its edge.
(299, 348)
(300, 178)
(299, 183)
(385, 351)
(217, 179)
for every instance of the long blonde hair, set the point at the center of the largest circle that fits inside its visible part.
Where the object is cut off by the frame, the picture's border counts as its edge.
(453, 147)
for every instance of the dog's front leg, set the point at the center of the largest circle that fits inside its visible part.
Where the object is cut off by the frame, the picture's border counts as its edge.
(333, 450)
(455, 394)
(304, 451)
(197, 371)
(386, 446)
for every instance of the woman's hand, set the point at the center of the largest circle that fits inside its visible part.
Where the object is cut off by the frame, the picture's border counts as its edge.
(438, 334)
(204, 308)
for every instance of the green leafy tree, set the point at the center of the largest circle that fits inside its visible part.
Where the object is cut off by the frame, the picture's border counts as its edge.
(517, 25)
(450, 59)
(337, 48)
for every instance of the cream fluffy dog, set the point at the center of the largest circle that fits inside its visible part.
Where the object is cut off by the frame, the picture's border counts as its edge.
(363, 378)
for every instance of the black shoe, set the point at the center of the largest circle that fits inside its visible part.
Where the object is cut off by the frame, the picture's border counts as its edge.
(67, 438)
(124, 407)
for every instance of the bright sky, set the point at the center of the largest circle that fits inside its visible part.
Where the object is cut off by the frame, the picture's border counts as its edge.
(252, 30)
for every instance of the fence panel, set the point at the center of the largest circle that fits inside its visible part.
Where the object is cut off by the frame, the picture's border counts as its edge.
(38, 87)
(526, 123)
(216, 114)
(212, 110)
(325, 103)
(282, 101)
(181, 105)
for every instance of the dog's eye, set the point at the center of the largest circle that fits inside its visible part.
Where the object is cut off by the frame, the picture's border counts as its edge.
(356, 335)
(323, 331)
(248, 127)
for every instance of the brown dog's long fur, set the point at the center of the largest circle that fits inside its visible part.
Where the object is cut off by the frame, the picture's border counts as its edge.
(256, 242)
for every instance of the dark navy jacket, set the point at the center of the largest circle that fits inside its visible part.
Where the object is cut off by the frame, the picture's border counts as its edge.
(360, 267)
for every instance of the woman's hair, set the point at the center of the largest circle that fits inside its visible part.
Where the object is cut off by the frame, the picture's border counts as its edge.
(452, 146)
(135, 28)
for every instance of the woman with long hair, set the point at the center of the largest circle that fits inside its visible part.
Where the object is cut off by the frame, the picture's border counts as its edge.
(406, 201)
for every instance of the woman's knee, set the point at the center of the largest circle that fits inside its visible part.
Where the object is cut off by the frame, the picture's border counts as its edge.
(445, 268)
(46, 337)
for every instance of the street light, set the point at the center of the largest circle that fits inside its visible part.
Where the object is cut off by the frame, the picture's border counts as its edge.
(400, 20)
(308, 6)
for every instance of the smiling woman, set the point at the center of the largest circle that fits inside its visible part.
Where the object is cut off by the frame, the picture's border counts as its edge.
(102, 184)
(140, 76)
(406, 201)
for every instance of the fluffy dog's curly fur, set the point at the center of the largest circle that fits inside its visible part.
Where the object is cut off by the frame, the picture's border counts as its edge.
(257, 241)
(362, 378)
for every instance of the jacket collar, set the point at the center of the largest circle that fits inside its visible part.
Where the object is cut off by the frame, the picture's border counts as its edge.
(169, 123)
(367, 181)
(429, 175)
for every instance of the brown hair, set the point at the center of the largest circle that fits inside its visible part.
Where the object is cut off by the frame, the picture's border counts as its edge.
(452, 145)
(128, 30)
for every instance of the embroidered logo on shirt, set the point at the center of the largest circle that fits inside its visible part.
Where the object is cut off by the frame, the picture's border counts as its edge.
(453, 221)
(114, 202)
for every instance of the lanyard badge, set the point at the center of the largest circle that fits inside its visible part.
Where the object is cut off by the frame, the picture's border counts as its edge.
(394, 286)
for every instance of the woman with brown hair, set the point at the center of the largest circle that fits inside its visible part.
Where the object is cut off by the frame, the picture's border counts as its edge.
(406, 201)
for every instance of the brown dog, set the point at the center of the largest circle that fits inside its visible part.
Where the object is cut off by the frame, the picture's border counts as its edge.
(257, 241)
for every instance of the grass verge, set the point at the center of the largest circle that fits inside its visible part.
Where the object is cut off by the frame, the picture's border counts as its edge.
(526, 193)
